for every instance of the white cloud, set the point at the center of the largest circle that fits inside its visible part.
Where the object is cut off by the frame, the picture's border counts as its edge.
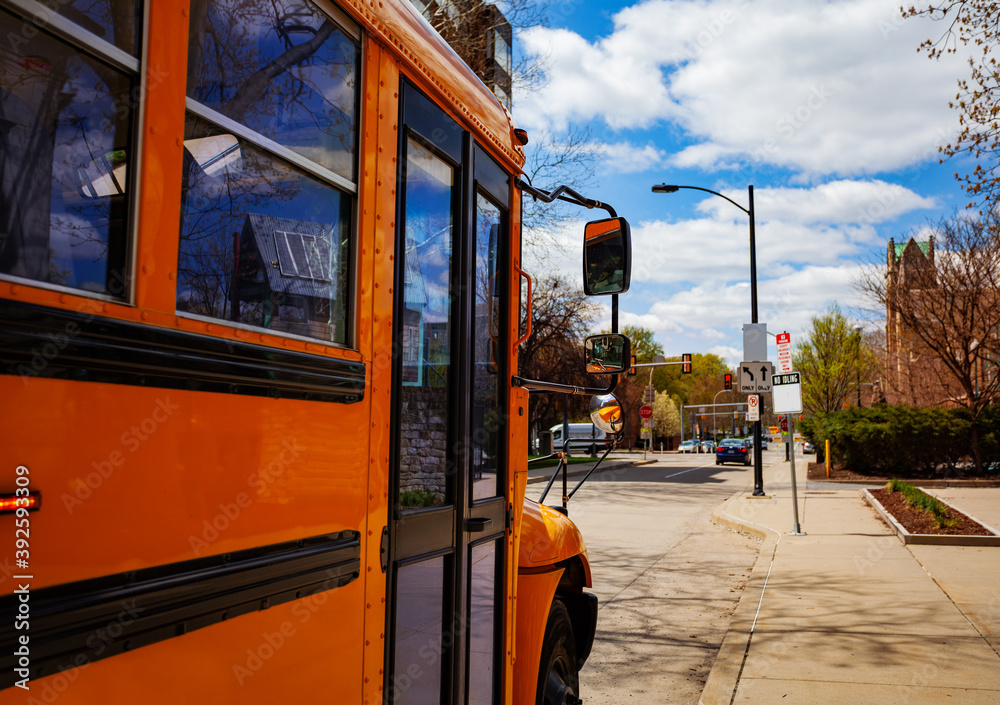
(626, 158)
(822, 225)
(834, 202)
(586, 80)
(715, 311)
(831, 88)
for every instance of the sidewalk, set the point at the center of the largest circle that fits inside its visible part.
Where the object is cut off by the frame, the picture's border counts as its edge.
(848, 614)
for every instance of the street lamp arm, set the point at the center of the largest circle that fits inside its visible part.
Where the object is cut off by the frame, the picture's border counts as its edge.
(758, 472)
(671, 188)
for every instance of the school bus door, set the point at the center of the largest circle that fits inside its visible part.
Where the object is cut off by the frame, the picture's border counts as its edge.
(447, 519)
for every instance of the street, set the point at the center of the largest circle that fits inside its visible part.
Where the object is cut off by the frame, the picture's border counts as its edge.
(667, 578)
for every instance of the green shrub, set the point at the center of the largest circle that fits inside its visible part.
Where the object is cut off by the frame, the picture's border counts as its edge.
(413, 499)
(906, 441)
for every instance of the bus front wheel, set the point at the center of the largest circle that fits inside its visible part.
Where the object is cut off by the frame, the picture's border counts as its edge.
(558, 673)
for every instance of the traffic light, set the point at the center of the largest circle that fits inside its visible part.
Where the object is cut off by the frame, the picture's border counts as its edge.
(728, 380)
(686, 366)
(631, 369)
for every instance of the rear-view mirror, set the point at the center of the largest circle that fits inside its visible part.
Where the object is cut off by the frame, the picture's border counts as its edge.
(607, 354)
(607, 257)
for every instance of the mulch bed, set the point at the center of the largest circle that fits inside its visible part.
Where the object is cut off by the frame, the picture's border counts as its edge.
(919, 522)
(817, 471)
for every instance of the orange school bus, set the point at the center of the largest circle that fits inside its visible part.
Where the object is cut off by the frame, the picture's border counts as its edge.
(263, 434)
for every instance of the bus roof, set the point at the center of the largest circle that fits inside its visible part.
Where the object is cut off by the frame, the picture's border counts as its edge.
(417, 44)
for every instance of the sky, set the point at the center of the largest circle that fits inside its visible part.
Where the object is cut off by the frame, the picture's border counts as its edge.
(825, 108)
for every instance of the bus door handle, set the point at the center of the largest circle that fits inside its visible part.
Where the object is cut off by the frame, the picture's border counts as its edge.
(527, 334)
(477, 525)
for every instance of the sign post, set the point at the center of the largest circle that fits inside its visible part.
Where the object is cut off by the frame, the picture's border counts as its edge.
(787, 399)
(756, 372)
(796, 529)
(646, 427)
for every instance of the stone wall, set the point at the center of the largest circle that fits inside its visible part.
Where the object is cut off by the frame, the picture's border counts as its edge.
(423, 440)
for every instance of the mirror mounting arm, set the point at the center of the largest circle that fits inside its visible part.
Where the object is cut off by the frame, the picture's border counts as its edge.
(563, 193)
(534, 385)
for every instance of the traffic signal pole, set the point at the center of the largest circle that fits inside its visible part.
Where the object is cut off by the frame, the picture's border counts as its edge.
(660, 362)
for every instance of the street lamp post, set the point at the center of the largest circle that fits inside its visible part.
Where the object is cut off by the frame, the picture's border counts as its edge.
(758, 461)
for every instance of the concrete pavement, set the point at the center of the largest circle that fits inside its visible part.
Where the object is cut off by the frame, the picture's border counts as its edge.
(847, 614)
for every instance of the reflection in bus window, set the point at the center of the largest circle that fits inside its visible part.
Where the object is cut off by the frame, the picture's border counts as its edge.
(261, 243)
(482, 623)
(64, 135)
(264, 242)
(486, 412)
(114, 21)
(420, 638)
(283, 69)
(426, 327)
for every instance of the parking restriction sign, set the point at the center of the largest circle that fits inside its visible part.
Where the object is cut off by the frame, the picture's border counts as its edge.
(753, 408)
(784, 352)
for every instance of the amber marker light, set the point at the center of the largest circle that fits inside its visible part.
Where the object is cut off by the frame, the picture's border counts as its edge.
(10, 503)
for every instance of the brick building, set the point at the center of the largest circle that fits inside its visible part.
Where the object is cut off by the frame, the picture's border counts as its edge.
(914, 374)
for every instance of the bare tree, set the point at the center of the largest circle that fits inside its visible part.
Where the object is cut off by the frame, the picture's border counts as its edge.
(552, 159)
(974, 24)
(561, 317)
(945, 318)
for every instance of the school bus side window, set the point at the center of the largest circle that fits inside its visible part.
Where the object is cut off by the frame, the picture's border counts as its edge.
(270, 159)
(66, 126)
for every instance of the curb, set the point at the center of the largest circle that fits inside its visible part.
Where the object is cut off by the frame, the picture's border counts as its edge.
(724, 678)
(936, 484)
(931, 539)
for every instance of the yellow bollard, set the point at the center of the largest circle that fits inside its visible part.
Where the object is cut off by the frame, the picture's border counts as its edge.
(827, 458)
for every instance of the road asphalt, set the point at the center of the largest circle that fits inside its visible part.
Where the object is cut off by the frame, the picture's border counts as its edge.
(844, 612)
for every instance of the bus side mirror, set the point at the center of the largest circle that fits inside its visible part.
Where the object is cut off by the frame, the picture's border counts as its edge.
(608, 354)
(607, 257)
(606, 414)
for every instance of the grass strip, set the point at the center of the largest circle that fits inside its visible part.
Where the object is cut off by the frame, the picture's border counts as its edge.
(921, 501)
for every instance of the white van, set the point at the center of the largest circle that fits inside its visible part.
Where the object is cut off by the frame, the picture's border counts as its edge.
(581, 437)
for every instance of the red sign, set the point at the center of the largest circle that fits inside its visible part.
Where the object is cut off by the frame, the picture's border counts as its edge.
(784, 352)
(646, 412)
(784, 424)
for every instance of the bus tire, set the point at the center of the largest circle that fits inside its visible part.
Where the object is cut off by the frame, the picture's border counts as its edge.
(558, 672)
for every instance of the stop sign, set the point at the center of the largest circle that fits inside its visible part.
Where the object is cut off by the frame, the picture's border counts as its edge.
(784, 424)
(646, 411)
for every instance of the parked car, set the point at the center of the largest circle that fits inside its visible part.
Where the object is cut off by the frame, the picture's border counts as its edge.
(808, 447)
(707, 447)
(688, 447)
(734, 450)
